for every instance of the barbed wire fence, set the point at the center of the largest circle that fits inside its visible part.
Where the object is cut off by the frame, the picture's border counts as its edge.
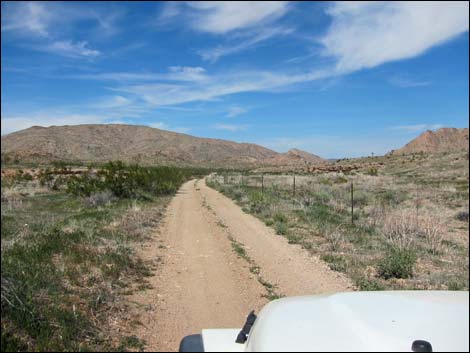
(300, 191)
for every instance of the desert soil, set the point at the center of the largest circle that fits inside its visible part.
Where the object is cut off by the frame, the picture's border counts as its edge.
(200, 282)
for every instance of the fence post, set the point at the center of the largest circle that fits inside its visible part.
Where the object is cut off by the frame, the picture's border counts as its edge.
(293, 191)
(417, 207)
(262, 183)
(352, 202)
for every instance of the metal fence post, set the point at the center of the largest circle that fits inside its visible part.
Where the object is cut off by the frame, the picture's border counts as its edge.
(293, 191)
(417, 206)
(262, 183)
(352, 202)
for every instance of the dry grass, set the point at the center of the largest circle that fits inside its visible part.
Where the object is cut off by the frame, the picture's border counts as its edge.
(432, 230)
(399, 229)
(68, 264)
(335, 238)
(414, 203)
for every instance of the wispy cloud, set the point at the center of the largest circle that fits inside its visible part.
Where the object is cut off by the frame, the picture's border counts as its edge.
(230, 127)
(175, 73)
(48, 26)
(214, 54)
(416, 128)
(246, 24)
(54, 19)
(400, 30)
(367, 34)
(405, 82)
(235, 110)
(113, 102)
(26, 18)
(186, 73)
(70, 49)
(220, 17)
(215, 86)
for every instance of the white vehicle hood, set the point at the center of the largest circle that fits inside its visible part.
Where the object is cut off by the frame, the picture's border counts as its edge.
(363, 321)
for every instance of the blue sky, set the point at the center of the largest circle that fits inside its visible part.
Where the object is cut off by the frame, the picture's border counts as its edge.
(338, 79)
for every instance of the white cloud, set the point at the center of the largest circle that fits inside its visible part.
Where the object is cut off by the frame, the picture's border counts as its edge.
(113, 102)
(417, 127)
(176, 73)
(51, 19)
(367, 34)
(405, 82)
(235, 111)
(27, 18)
(171, 9)
(220, 17)
(70, 49)
(230, 127)
(213, 87)
(186, 73)
(214, 54)
(361, 35)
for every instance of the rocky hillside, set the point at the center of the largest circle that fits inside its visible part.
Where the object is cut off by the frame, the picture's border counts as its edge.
(142, 144)
(296, 157)
(442, 140)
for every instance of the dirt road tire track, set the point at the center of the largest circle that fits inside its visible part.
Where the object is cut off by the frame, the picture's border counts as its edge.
(202, 283)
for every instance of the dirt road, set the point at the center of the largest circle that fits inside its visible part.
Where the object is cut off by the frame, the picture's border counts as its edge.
(202, 282)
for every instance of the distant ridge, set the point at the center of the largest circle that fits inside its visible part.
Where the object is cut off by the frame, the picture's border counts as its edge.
(442, 140)
(142, 144)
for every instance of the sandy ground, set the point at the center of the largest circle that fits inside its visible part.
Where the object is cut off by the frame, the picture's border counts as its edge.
(201, 282)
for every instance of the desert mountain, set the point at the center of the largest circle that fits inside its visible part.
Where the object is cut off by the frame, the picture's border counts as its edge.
(131, 143)
(296, 157)
(442, 140)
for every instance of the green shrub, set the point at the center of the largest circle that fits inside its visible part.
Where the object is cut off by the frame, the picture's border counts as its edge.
(340, 180)
(372, 171)
(391, 197)
(398, 263)
(335, 262)
(280, 217)
(462, 216)
(361, 199)
(46, 177)
(257, 201)
(366, 284)
(281, 228)
(131, 181)
(456, 285)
